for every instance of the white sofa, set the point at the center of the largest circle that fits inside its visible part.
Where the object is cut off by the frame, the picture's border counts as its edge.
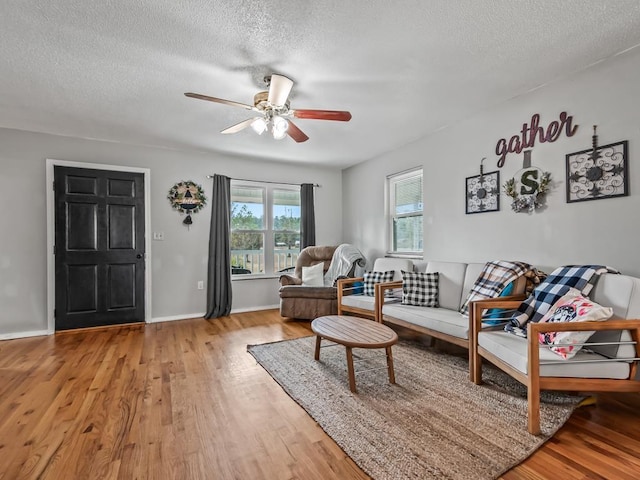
(444, 322)
(613, 368)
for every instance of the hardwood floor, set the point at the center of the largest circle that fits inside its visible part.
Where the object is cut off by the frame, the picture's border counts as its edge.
(184, 400)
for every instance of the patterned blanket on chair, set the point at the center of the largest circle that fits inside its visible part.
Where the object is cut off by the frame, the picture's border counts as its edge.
(493, 279)
(582, 278)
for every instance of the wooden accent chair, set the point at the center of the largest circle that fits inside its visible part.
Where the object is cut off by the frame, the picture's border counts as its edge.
(608, 366)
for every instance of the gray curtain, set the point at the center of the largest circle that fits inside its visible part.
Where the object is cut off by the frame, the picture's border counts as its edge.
(307, 216)
(219, 274)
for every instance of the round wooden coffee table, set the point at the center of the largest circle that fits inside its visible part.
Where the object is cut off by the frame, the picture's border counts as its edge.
(355, 332)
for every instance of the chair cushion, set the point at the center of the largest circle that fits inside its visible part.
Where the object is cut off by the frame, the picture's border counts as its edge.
(450, 281)
(364, 302)
(396, 264)
(513, 351)
(442, 320)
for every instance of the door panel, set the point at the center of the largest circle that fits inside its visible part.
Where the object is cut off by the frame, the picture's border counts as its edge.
(99, 242)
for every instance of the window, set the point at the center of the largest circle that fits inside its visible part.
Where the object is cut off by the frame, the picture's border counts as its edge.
(265, 227)
(405, 212)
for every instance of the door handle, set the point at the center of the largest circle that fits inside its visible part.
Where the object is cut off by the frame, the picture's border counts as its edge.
(139, 256)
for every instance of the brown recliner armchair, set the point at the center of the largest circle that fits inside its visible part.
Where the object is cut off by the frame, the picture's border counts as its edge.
(303, 301)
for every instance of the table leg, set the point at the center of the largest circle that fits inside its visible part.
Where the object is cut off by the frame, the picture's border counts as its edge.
(352, 375)
(392, 375)
(317, 353)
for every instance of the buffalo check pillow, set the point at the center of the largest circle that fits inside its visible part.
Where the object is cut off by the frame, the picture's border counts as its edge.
(371, 278)
(420, 289)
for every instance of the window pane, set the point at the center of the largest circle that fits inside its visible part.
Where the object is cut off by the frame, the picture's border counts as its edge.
(407, 234)
(285, 253)
(408, 195)
(286, 210)
(247, 252)
(247, 208)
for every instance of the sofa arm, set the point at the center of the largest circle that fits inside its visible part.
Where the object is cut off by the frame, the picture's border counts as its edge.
(477, 307)
(380, 290)
(345, 285)
(289, 280)
(533, 344)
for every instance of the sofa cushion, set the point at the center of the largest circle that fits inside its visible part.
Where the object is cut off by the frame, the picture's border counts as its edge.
(396, 264)
(371, 278)
(420, 289)
(442, 320)
(622, 293)
(364, 302)
(451, 279)
(572, 307)
(471, 274)
(513, 351)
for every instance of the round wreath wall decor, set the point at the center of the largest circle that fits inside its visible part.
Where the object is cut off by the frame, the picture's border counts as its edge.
(187, 197)
(528, 189)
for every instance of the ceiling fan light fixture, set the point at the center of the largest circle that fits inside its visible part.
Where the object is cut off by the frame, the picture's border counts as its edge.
(279, 127)
(259, 125)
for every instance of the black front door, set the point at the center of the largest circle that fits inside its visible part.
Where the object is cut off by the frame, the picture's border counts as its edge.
(99, 247)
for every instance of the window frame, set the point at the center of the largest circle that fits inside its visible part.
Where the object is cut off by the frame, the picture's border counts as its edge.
(390, 210)
(268, 231)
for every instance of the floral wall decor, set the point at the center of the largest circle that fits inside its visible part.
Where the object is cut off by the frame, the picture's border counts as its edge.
(483, 192)
(187, 197)
(528, 187)
(597, 173)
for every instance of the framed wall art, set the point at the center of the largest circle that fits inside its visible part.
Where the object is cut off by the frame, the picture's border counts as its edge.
(483, 193)
(598, 173)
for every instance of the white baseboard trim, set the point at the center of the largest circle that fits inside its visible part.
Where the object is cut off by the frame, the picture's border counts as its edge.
(34, 333)
(171, 318)
(187, 316)
(254, 309)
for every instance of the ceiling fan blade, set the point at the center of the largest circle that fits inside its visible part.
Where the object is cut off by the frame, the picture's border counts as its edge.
(279, 90)
(238, 126)
(294, 132)
(341, 116)
(220, 100)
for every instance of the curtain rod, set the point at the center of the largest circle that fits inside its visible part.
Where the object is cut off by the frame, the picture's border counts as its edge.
(266, 181)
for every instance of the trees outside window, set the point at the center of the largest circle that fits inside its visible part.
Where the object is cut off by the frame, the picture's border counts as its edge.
(265, 227)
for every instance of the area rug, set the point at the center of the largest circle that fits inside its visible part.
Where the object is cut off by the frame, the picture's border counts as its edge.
(433, 423)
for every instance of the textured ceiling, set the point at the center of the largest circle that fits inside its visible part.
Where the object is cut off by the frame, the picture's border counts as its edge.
(116, 70)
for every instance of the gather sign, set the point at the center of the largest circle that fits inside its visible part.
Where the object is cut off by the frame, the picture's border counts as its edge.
(533, 131)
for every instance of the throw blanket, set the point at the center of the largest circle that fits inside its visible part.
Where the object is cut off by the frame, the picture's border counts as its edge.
(343, 260)
(582, 278)
(495, 276)
(493, 279)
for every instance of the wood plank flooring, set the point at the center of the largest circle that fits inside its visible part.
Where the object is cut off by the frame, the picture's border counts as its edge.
(184, 400)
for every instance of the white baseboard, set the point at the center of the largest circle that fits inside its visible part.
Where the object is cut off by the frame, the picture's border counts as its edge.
(254, 309)
(37, 333)
(171, 318)
(34, 333)
(202, 314)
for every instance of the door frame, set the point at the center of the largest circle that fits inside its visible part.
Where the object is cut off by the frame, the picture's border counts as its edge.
(51, 258)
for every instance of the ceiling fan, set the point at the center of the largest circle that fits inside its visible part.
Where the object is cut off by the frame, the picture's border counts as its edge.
(274, 112)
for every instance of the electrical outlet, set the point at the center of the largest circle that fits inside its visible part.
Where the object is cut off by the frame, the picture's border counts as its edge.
(158, 236)
(200, 285)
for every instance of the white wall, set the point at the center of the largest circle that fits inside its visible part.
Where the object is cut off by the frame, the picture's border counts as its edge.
(177, 263)
(602, 231)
